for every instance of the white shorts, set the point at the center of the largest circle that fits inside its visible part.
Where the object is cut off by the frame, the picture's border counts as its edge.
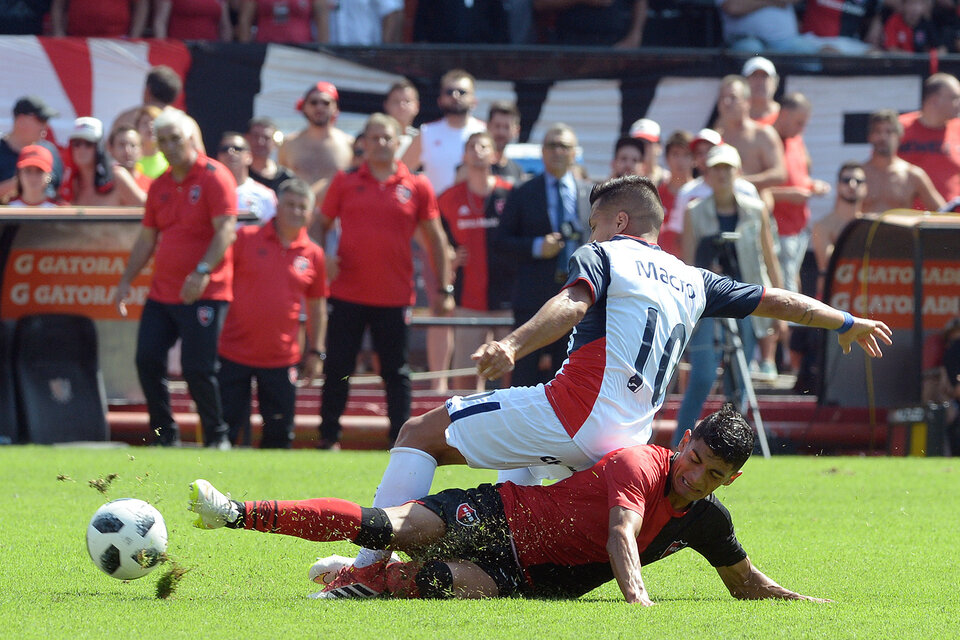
(511, 429)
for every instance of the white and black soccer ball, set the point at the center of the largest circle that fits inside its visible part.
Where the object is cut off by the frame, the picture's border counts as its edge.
(126, 538)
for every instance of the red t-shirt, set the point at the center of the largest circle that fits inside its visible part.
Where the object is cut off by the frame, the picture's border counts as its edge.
(270, 282)
(936, 151)
(668, 240)
(99, 19)
(195, 19)
(377, 222)
(567, 523)
(792, 217)
(471, 220)
(183, 213)
(284, 20)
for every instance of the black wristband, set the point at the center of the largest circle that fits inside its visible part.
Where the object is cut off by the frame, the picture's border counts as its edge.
(316, 352)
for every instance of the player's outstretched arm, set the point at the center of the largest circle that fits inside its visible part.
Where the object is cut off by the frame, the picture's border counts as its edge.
(801, 309)
(625, 556)
(746, 582)
(556, 317)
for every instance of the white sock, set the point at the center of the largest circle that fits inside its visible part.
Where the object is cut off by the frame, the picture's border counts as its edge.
(408, 476)
(520, 476)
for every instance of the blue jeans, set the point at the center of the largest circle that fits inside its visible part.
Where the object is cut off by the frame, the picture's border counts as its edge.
(704, 352)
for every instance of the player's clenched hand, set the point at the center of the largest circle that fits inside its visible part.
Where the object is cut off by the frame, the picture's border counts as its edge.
(494, 359)
(868, 334)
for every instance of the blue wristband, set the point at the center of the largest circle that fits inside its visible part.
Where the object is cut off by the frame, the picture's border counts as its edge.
(847, 323)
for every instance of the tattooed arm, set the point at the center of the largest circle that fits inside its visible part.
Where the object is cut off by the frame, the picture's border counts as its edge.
(801, 309)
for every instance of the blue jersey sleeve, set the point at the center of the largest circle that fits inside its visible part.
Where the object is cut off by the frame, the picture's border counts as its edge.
(590, 264)
(728, 298)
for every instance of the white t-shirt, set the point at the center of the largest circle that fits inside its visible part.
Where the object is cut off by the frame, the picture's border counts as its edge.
(259, 200)
(697, 189)
(441, 150)
(360, 21)
(20, 203)
(769, 24)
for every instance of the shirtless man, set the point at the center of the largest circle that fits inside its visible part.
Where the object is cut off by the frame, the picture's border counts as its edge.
(893, 183)
(759, 146)
(319, 150)
(851, 192)
(160, 89)
(762, 79)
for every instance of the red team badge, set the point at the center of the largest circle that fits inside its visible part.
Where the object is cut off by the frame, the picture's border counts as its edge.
(300, 264)
(205, 315)
(467, 515)
(403, 194)
(194, 194)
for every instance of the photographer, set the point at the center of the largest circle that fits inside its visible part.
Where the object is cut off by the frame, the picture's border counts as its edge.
(728, 233)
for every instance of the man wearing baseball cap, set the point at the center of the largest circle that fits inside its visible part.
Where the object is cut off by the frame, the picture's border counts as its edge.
(648, 131)
(319, 150)
(763, 80)
(30, 116)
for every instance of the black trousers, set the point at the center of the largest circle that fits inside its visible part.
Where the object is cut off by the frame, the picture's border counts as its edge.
(345, 326)
(198, 326)
(276, 393)
(526, 370)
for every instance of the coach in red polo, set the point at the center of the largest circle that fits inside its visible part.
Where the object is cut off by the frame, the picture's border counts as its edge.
(275, 268)
(379, 205)
(189, 223)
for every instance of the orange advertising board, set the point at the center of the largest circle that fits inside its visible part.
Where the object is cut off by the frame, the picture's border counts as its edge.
(888, 287)
(62, 281)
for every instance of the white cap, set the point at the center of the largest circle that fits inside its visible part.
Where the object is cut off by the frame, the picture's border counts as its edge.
(758, 63)
(89, 129)
(645, 129)
(706, 135)
(723, 154)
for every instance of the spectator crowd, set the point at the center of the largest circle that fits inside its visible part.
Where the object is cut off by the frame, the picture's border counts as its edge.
(335, 218)
(794, 26)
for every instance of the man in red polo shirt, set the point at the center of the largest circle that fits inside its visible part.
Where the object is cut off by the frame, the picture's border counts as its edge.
(275, 267)
(189, 223)
(379, 205)
(931, 136)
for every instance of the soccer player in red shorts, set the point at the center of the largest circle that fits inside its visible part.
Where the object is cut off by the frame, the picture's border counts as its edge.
(635, 506)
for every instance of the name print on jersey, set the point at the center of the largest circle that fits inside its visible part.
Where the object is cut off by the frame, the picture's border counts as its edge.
(650, 270)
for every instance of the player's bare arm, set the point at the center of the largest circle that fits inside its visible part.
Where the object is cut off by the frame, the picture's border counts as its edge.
(225, 232)
(142, 249)
(625, 556)
(555, 319)
(746, 582)
(801, 309)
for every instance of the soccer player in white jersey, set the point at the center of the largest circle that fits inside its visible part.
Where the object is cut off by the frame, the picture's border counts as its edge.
(632, 308)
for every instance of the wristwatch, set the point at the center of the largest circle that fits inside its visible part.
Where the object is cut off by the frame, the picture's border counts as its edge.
(447, 290)
(203, 268)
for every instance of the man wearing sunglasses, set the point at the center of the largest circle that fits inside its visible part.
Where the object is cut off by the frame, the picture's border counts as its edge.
(851, 193)
(320, 149)
(234, 153)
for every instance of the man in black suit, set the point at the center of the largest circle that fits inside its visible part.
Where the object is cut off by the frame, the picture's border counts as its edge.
(543, 223)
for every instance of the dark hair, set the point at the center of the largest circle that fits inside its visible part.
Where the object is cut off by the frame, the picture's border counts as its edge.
(679, 138)
(885, 115)
(727, 434)
(403, 85)
(933, 85)
(636, 195)
(261, 121)
(849, 165)
(627, 141)
(232, 134)
(504, 107)
(794, 100)
(164, 84)
(123, 128)
(297, 186)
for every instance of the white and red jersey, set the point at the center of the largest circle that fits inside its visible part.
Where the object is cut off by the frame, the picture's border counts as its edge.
(624, 351)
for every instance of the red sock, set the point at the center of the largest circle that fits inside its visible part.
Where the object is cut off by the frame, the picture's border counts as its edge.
(320, 519)
(402, 579)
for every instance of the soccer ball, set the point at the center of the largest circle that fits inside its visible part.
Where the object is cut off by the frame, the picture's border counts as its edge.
(126, 538)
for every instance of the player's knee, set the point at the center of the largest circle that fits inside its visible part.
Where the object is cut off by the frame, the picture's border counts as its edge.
(376, 529)
(435, 580)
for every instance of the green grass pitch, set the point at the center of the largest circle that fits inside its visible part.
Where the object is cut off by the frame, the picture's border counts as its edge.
(879, 536)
